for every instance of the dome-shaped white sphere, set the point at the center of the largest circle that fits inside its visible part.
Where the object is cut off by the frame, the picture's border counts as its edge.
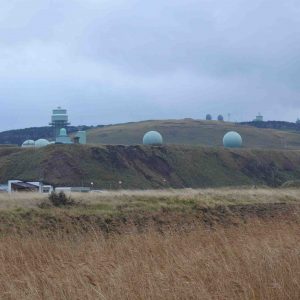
(232, 140)
(152, 138)
(41, 143)
(28, 144)
(63, 132)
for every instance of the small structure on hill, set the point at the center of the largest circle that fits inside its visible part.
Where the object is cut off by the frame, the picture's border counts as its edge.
(232, 140)
(208, 117)
(298, 121)
(81, 135)
(152, 138)
(220, 118)
(259, 118)
(36, 144)
(63, 138)
(76, 139)
(28, 144)
(41, 143)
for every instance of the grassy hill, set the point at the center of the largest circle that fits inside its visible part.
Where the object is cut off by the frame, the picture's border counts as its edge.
(194, 132)
(149, 167)
(273, 134)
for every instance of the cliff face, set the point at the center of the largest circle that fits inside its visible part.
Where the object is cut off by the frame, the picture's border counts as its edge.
(149, 167)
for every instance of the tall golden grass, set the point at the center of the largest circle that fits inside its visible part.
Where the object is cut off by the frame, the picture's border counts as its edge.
(258, 260)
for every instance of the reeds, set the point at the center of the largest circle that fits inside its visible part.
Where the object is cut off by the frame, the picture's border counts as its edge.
(258, 260)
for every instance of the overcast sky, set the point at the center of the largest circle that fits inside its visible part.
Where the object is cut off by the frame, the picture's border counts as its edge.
(112, 61)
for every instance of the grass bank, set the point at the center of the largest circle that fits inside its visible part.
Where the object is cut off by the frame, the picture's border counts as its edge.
(139, 211)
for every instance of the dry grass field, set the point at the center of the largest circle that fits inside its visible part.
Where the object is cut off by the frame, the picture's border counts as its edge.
(257, 261)
(257, 258)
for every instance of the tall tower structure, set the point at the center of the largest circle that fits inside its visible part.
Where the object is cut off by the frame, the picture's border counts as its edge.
(59, 120)
(259, 118)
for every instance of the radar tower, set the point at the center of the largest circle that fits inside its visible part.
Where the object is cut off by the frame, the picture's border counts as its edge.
(59, 120)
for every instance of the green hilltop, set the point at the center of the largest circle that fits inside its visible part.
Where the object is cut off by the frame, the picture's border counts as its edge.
(194, 132)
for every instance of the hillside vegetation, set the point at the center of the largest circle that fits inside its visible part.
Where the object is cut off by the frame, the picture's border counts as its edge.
(142, 167)
(194, 132)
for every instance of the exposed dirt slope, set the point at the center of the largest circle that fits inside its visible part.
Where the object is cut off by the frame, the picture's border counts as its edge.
(149, 167)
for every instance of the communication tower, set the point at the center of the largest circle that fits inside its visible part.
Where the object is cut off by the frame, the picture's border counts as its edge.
(259, 118)
(59, 120)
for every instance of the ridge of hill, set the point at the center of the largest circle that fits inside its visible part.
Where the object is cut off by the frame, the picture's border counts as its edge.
(193, 132)
(273, 134)
(18, 136)
(142, 167)
(280, 125)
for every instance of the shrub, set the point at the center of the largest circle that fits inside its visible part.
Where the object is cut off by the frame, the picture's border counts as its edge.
(60, 199)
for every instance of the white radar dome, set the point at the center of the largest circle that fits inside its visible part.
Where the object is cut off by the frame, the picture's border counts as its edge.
(63, 132)
(41, 143)
(152, 138)
(232, 140)
(28, 144)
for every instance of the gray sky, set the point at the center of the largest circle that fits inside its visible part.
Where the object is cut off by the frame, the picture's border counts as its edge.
(110, 61)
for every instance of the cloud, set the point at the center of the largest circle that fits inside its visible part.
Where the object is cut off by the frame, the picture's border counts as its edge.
(124, 60)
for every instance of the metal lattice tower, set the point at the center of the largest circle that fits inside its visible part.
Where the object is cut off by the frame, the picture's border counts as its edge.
(59, 120)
